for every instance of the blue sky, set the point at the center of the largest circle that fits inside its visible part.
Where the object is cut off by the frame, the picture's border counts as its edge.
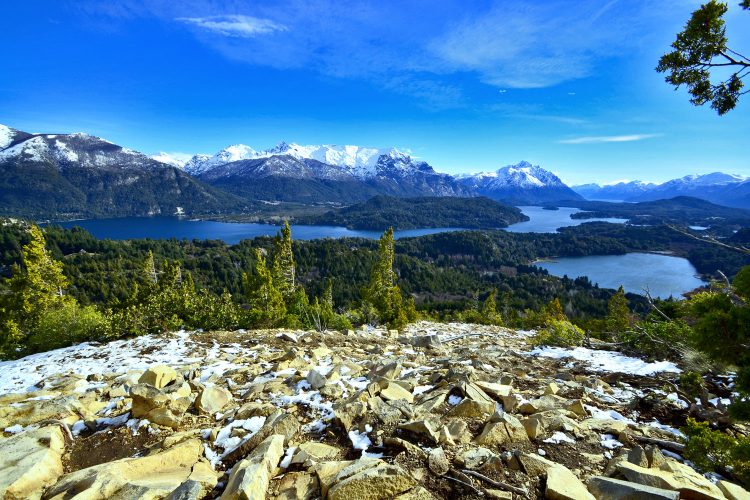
(466, 86)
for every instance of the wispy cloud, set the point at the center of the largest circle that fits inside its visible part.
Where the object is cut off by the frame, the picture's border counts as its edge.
(234, 25)
(600, 139)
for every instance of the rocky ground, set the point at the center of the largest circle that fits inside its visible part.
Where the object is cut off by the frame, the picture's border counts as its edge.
(434, 411)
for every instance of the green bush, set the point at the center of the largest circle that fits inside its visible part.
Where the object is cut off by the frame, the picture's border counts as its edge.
(559, 332)
(713, 450)
(67, 325)
(659, 338)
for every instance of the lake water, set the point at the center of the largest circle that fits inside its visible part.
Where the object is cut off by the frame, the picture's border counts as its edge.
(548, 221)
(663, 275)
(126, 228)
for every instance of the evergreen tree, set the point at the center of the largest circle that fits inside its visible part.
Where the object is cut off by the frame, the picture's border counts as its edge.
(383, 292)
(701, 48)
(489, 313)
(618, 315)
(283, 263)
(263, 296)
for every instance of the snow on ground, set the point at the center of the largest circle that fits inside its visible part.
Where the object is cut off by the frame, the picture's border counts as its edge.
(119, 357)
(607, 361)
(6, 136)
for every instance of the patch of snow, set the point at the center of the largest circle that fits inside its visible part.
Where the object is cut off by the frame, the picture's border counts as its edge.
(606, 361)
(453, 400)
(6, 136)
(287, 460)
(421, 389)
(559, 437)
(610, 442)
(14, 429)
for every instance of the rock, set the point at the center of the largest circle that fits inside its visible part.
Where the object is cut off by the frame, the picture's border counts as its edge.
(298, 486)
(152, 476)
(533, 426)
(578, 408)
(545, 403)
(551, 389)
(428, 427)
(66, 408)
(468, 408)
(30, 462)
(507, 430)
(418, 493)
(395, 392)
(438, 462)
(430, 341)
(158, 376)
(348, 413)
(163, 407)
(385, 412)
(564, 485)
(499, 391)
(733, 491)
(250, 477)
(607, 488)
(383, 481)
(212, 399)
(310, 452)
(534, 465)
(410, 449)
(316, 380)
(672, 476)
(278, 423)
(327, 472)
(637, 456)
(474, 458)
(499, 494)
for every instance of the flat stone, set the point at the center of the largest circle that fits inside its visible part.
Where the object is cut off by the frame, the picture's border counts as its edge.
(672, 476)
(314, 452)
(384, 481)
(468, 408)
(396, 392)
(30, 462)
(429, 428)
(733, 491)
(607, 488)
(158, 376)
(562, 484)
(474, 458)
(250, 477)
(298, 486)
(327, 472)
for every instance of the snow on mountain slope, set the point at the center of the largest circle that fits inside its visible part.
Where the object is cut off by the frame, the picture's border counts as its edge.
(360, 162)
(522, 175)
(174, 159)
(6, 136)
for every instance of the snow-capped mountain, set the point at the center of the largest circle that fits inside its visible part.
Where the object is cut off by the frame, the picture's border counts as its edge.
(178, 160)
(292, 172)
(523, 183)
(80, 174)
(360, 162)
(717, 187)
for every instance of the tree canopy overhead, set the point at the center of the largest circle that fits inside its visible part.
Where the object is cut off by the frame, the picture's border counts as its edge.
(701, 60)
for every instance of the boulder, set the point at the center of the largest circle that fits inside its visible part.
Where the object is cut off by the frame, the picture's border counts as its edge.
(429, 428)
(607, 488)
(468, 408)
(298, 486)
(316, 380)
(312, 451)
(381, 481)
(161, 406)
(438, 462)
(212, 399)
(396, 392)
(30, 462)
(250, 477)
(152, 476)
(418, 493)
(327, 472)
(672, 476)
(733, 491)
(507, 429)
(158, 376)
(564, 485)
(474, 458)
(278, 423)
(66, 408)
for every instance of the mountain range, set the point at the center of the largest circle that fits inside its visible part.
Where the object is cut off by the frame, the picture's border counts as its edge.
(80, 175)
(723, 189)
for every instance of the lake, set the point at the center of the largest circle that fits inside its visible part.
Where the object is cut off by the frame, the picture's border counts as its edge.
(125, 228)
(548, 221)
(663, 275)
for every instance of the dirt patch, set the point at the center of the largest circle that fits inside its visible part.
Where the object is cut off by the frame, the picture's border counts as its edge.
(106, 446)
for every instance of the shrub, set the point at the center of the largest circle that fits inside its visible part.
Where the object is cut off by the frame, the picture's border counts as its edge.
(559, 332)
(713, 450)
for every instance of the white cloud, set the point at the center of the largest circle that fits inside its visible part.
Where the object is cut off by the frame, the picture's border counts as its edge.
(600, 139)
(238, 26)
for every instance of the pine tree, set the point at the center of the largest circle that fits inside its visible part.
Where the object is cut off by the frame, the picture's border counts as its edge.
(283, 263)
(618, 315)
(383, 292)
(489, 313)
(262, 294)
